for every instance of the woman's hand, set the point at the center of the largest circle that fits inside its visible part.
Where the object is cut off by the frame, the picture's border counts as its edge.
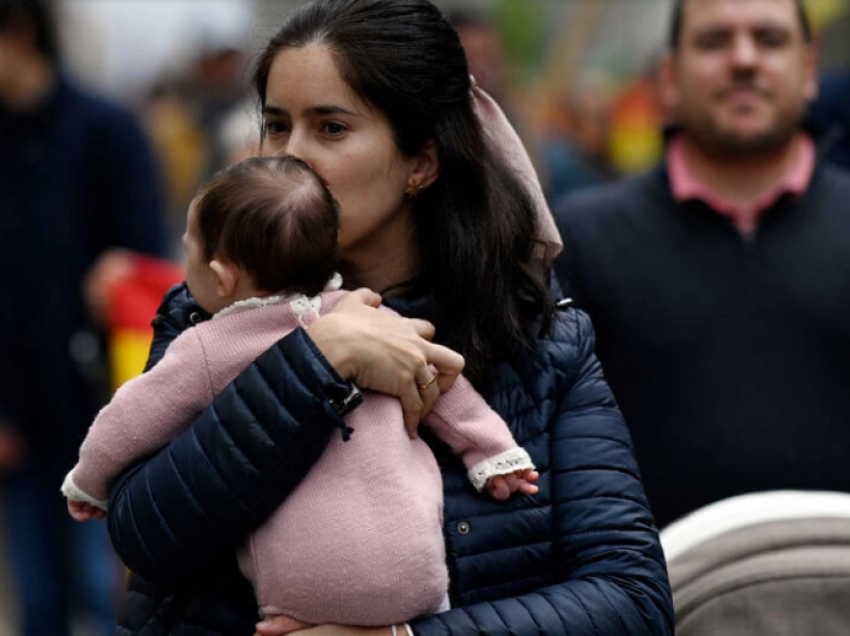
(282, 625)
(386, 353)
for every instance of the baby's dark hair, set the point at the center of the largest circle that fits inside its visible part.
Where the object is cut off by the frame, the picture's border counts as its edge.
(273, 217)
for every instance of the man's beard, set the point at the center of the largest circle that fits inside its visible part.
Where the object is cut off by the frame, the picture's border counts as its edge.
(725, 143)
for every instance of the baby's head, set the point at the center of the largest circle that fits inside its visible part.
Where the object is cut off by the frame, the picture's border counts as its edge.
(261, 226)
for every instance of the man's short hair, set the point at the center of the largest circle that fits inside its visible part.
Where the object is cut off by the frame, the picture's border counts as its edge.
(679, 8)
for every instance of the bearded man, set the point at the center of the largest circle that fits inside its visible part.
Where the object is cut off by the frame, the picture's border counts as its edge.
(719, 283)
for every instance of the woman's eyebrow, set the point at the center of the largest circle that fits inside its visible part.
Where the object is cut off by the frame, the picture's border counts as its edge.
(330, 109)
(322, 109)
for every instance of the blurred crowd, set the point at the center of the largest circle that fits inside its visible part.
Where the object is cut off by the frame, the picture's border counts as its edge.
(576, 80)
(122, 163)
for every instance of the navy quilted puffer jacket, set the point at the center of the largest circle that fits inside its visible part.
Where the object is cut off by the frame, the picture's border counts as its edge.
(580, 557)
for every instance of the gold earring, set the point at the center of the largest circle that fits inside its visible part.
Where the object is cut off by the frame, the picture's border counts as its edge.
(413, 189)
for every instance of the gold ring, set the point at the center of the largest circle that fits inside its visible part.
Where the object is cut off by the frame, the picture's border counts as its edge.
(428, 383)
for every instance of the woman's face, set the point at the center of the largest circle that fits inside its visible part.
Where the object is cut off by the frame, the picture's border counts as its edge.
(312, 114)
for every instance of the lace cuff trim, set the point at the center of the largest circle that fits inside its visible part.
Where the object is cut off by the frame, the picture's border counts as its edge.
(74, 493)
(504, 464)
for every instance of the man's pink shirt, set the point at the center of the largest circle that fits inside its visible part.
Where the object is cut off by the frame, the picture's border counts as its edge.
(686, 184)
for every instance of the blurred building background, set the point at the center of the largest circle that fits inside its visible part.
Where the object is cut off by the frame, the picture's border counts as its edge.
(575, 76)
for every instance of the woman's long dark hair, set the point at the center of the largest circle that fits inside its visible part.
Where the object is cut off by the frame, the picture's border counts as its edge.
(475, 225)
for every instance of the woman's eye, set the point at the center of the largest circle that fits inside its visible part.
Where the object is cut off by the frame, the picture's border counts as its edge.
(276, 127)
(333, 128)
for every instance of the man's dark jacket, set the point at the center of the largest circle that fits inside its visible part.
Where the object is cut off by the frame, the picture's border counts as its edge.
(77, 176)
(728, 355)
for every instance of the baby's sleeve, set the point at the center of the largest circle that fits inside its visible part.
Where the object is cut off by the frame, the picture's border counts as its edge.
(476, 433)
(144, 415)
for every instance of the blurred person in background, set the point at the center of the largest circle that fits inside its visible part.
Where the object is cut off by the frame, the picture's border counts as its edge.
(578, 156)
(829, 119)
(484, 50)
(201, 118)
(719, 283)
(76, 179)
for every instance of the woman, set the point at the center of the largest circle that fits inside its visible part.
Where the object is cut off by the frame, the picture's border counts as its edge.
(375, 95)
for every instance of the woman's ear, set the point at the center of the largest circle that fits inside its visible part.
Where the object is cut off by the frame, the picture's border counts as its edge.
(426, 167)
(226, 276)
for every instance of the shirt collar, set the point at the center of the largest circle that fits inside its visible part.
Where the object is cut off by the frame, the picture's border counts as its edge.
(686, 184)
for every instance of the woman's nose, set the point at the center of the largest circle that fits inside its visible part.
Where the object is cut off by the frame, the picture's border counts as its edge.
(296, 146)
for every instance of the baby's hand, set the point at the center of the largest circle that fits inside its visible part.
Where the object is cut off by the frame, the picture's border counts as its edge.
(501, 487)
(82, 511)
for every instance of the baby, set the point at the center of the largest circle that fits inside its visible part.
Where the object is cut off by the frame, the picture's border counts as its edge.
(360, 540)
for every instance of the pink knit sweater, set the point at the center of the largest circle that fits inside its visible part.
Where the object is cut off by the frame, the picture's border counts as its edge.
(359, 542)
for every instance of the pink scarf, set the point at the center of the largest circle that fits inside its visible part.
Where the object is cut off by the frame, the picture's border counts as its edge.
(504, 140)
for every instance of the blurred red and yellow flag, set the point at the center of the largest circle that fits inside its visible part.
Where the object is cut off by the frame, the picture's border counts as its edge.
(133, 301)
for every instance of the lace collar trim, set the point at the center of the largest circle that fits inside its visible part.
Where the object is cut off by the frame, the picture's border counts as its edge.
(306, 308)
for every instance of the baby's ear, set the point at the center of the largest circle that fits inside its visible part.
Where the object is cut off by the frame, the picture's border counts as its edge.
(226, 277)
